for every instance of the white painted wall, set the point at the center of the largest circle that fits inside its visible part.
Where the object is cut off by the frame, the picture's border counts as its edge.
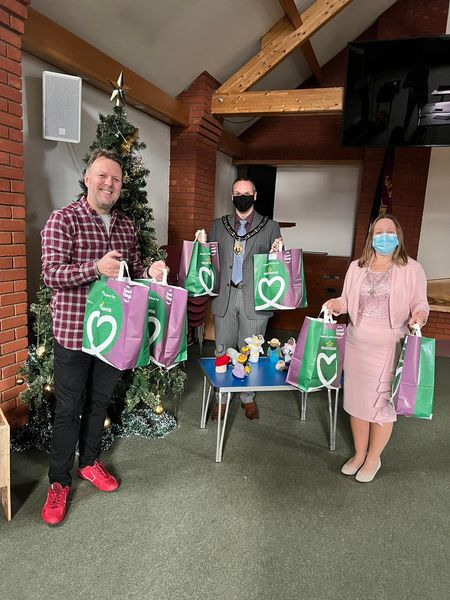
(434, 243)
(321, 200)
(53, 169)
(225, 175)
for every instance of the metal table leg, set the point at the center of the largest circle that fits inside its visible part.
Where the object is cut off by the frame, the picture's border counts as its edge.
(332, 411)
(205, 403)
(221, 426)
(304, 397)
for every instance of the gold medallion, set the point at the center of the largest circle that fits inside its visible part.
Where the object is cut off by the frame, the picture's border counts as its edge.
(237, 249)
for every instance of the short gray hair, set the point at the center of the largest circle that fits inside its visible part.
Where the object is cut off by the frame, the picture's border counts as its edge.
(104, 153)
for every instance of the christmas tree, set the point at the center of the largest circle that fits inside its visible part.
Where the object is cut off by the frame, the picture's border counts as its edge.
(137, 406)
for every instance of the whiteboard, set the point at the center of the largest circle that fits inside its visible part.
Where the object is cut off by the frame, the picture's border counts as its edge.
(322, 201)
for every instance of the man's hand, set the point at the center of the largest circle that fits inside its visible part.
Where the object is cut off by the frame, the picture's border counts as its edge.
(109, 264)
(156, 270)
(200, 236)
(277, 245)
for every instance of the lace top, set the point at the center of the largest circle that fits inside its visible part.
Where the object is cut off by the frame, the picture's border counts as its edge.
(374, 295)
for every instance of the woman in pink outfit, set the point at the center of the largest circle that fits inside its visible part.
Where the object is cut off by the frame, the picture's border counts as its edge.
(384, 292)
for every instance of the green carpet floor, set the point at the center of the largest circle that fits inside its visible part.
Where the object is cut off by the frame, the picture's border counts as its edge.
(275, 520)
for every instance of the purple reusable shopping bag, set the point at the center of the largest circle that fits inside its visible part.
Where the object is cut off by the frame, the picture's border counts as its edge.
(167, 324)
(413, 384)
(115, 320)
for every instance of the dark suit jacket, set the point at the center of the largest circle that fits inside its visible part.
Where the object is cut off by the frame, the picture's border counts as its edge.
(258, 244)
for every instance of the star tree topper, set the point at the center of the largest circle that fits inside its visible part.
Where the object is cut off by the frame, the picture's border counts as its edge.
(119, 90)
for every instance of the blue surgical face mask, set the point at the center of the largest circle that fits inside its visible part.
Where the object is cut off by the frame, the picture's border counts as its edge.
(385, 243)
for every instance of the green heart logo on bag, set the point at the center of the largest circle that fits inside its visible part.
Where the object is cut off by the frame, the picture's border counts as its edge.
(102, 319)
(156, 318)
(273, 295)
(99, 333)
(328, 372)
(206, 279)
(155, 325)
(272, 286)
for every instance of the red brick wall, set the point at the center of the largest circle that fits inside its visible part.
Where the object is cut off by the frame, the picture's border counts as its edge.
(438, 325)
(13, 296)
(319, 138)
(193, 153)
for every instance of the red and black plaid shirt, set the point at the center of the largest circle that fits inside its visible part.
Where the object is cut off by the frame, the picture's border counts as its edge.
(73, 239)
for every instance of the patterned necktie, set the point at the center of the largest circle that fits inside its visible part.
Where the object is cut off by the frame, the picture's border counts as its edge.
(238, 260)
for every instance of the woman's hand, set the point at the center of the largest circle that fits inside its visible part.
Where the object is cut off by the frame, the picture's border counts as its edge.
(419, 318)
(333, 305)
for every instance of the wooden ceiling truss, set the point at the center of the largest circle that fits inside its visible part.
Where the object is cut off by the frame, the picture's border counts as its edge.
(293, 31)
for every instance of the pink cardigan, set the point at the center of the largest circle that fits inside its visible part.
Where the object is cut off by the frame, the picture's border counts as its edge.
(408, 292)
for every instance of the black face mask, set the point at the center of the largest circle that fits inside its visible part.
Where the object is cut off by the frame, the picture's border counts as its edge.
(243, 203)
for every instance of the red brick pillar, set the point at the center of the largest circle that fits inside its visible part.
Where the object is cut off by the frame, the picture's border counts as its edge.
(13, 296)
(193, 154)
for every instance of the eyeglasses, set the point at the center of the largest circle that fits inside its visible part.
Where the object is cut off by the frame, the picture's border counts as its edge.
(247, 194)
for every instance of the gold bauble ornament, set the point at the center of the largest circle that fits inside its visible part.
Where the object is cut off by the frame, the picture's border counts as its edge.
(158, 409)
(40, 351)
(107, 423)
(48, 389)
(129, 141)
(20, 380)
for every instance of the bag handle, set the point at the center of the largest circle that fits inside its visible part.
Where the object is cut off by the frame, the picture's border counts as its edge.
(122, 268)
(416, 330)
(327, 315)
(163, 280)
(200, 236)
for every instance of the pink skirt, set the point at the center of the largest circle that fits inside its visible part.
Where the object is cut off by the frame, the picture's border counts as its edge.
(372, 348)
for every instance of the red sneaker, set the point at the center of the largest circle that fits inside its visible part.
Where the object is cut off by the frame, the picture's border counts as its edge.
(99, 477)
(54, 509)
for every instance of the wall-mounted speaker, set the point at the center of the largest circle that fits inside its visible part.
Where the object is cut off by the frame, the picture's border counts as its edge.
(61, 106)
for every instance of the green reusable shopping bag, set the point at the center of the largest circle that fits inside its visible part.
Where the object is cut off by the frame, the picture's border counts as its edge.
(279, 282)
(167, 325)
(199, 271)
(114, 326)
(318, 356)
(413, 384)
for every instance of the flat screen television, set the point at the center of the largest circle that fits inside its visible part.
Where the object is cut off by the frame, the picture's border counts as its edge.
(397, 93)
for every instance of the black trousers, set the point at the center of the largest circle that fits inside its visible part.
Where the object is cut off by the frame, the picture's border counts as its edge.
(84, 386)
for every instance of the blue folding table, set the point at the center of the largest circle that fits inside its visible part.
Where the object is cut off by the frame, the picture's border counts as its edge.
(263, 378)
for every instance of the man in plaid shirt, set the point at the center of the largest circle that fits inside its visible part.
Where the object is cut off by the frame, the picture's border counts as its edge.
(81, 242)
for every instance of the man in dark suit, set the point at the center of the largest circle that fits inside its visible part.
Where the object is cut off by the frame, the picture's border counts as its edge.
(240, 235)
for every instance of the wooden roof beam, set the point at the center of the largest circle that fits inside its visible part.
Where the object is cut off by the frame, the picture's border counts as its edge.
(314, 18)
(59, 47)
(291, 12)
(231, 145)
(280, 102)
(277, 32)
